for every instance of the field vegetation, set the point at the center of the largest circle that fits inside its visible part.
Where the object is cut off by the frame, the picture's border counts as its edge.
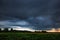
(29, 36)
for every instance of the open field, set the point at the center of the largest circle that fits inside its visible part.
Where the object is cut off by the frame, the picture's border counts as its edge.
(29, 36)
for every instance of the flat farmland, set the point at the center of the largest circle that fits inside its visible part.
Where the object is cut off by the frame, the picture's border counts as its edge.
(28, 36)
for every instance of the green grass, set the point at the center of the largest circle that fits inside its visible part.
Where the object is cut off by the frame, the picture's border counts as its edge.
(29, 36)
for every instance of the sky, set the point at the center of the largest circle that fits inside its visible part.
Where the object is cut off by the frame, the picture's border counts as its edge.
(33, 14)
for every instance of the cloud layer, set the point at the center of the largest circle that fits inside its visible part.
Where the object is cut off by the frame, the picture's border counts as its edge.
(36, 14)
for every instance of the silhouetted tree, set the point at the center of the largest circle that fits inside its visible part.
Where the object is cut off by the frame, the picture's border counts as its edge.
(5, 29)
(0, 29)
(11, 29)
(43, 31)
(37, 31)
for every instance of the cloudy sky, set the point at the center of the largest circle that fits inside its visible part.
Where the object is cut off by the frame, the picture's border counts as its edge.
(34, 14)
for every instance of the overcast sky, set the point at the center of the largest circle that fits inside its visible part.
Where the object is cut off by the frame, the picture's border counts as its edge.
(35, 14)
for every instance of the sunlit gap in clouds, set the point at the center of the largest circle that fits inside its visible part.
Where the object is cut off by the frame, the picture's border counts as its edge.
(53, 30)
(23, 29)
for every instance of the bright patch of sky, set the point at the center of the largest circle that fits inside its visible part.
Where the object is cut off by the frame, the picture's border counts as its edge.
(22, 23)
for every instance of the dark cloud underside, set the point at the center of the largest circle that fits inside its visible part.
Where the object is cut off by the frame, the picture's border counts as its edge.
(38, 13)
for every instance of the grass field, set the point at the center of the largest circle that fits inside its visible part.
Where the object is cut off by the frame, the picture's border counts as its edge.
(29, 36)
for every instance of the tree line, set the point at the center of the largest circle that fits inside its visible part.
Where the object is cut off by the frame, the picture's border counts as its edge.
(11, 30)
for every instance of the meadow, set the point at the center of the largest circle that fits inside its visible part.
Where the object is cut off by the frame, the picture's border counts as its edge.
(28, 36)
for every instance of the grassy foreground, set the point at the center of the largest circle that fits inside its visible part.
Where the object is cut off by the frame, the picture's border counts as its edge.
(29, 36)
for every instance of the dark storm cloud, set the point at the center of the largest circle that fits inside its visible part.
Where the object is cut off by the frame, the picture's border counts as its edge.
(41, 22)
(23, 9)
(38, 13)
